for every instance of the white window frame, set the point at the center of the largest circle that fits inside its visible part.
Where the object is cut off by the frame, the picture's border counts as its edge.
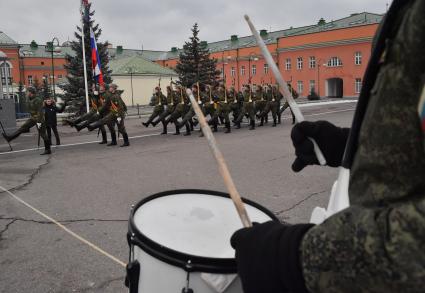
(357, 85)
(312, 62)
(242, 70)
(266, 68)
(300, 87)
(288, 64)
(30, 80)
(233, 71)
(358, 58)
(253, 69)
(335, 62)
(311, 85)
(300, 63)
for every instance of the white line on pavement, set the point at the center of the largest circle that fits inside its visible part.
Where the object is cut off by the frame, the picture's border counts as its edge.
(149, 135)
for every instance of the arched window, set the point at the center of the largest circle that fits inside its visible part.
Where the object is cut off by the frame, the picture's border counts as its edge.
(6, 71)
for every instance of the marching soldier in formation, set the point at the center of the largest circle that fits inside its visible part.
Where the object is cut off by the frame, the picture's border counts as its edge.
(113, 112)
(247, 108)
(170, 107)
(181, 109)
(260, 103)
(222, 109)
(97, 100)
(159, 101)
(37, 119)
(272, 104)
(286, 105)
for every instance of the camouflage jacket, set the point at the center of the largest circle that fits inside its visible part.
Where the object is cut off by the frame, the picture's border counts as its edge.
(35, 108)
(378, 243)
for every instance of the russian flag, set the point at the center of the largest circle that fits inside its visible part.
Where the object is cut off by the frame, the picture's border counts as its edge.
(95, 60)
(421, 109)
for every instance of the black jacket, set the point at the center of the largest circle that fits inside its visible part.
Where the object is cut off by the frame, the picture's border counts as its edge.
(50, 114)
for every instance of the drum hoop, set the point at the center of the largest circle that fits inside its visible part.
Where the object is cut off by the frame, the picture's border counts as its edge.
(188, 262)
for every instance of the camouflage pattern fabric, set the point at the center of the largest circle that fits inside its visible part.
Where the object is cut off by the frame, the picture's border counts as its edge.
(377, 244)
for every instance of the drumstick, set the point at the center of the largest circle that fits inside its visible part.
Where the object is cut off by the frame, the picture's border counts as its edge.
(222, 167)
(283, 87)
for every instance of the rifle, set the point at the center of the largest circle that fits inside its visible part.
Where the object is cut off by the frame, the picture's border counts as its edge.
(4, 132)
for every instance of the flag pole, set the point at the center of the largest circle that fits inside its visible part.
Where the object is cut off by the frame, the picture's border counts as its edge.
(84, 61)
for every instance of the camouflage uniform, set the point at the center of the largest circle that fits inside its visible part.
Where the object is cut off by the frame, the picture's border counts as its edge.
(180, 110)
(187, 119)
(96, 102)
(172, 102)
(223, 108)
(377, 244)
(112, 112)
(286, 105)
(158, 100)
(271, 105)
(247, 108)
(35, 108)
(260, 103)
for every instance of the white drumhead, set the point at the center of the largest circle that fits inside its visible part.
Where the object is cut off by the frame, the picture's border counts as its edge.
(196, 224)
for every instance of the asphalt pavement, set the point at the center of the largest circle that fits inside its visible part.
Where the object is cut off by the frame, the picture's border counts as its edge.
(89, 188)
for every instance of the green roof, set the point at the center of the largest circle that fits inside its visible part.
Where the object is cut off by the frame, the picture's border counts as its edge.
(138, 65)
(6, 40)
(356, 19)
(42, 52)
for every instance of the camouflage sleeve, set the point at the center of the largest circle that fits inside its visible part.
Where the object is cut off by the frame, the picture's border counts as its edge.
(377, 244)
(361, 249)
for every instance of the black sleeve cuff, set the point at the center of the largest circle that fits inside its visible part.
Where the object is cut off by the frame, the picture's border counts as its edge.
(291, 271)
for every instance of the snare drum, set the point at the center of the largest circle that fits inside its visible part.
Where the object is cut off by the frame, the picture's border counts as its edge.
(180, 242)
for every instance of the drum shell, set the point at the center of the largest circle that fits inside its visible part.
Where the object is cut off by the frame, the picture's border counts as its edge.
(157, 261)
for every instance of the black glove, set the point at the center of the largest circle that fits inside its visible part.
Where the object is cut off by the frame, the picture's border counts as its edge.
(267, 256)
(330, 139)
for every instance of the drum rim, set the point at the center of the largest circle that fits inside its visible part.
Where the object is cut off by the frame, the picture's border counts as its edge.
(180, 259)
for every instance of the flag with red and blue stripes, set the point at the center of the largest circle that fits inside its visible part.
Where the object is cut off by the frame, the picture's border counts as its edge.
(421, 109)
(96, 68)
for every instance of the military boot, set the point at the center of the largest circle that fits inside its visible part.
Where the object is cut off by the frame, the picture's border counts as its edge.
(261, 122)
(82, 125)
(252, 125)
(227, 124)
(104, 138)
(164, 128)
(187, 129)
(238, 125)
(11, 137)
(191, 124)
(47, 150)
(113, 139)
(126, 141)
(71, 122)
(177, 128)
(279, 118)
(146, 124)
(274, 122)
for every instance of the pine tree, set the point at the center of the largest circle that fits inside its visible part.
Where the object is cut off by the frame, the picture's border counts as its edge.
(195, 63)
(74, 90)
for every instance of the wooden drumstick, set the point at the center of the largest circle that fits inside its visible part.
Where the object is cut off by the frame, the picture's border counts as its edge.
(283, 87)
(222, 167)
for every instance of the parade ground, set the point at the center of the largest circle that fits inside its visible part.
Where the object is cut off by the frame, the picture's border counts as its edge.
(89, 189)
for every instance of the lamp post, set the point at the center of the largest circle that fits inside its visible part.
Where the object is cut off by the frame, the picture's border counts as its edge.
(53, 66)
(130, 71)
(222, 66)
(254, 58)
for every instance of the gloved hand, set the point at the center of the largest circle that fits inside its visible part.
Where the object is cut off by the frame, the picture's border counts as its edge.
(38, 125)
(119, 119)
(267, 256)
(330, 139)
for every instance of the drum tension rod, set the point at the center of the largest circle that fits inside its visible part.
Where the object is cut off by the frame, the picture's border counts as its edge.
(189, 267)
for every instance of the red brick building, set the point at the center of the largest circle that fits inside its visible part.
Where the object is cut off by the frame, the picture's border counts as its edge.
(329, 57)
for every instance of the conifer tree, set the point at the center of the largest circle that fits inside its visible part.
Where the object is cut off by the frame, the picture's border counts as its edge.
(74, 93)
(195, 63)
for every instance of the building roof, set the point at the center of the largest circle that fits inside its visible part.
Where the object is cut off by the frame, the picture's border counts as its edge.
(138, 65)
(6, 40)
(41, 52)
(355, 19)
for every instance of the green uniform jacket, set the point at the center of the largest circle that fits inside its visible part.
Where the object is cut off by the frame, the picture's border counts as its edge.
(378, 243)
(35, 108)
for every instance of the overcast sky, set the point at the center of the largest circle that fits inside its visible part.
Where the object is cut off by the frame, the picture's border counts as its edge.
(162, 24)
